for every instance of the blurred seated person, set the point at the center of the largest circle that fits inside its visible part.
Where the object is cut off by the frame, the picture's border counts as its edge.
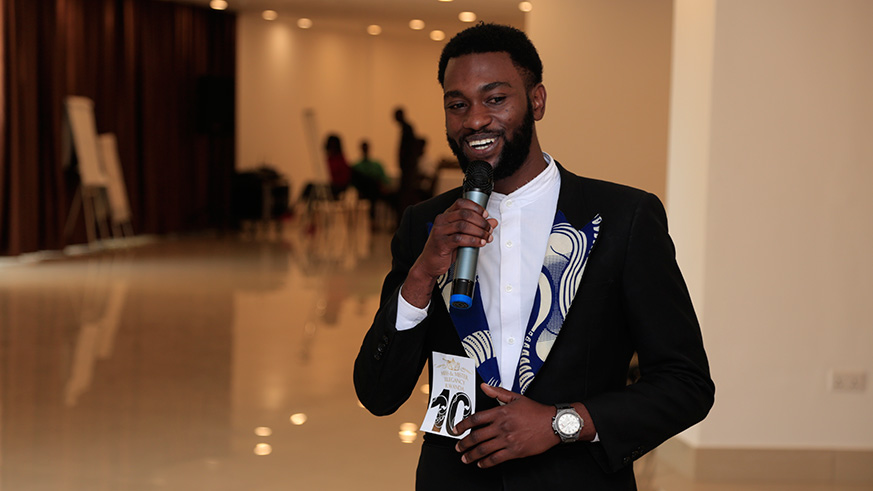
(340, 172)
(370, 172)
(373, 184)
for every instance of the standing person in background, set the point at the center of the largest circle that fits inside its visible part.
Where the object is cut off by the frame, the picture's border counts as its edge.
(407, 158)
(574, 277)
(338, 167)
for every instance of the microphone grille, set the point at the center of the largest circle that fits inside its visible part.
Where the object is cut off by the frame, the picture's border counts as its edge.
(479, 175)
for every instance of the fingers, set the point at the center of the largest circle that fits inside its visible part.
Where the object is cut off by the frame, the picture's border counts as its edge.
(472, 421)
(465, 223)
(502, 395)
(520, 427)
(485, 447)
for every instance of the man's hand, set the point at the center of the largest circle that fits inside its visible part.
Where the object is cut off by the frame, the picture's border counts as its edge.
(464, 224)
(520, 428)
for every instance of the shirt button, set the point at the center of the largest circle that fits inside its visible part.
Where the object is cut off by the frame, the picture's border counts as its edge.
(511, 340)
(508, 288)
(508, 243)
(509, 203)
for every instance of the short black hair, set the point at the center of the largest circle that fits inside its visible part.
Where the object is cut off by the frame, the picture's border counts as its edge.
(495, 38)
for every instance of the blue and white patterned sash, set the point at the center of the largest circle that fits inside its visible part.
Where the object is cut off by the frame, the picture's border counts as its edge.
(566, 256)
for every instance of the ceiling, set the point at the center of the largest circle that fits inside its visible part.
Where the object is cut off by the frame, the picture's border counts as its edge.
(436, 14)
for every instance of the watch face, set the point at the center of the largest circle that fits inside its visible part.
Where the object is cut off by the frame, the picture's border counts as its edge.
(568, 424)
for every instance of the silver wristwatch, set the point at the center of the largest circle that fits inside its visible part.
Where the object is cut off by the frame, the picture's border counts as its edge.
(567, 423)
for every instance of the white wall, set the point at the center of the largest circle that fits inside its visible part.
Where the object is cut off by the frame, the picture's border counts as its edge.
(607, 75)
(689, 146)
(788, 270)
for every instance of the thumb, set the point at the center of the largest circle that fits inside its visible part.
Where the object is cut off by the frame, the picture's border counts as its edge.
(502, 395)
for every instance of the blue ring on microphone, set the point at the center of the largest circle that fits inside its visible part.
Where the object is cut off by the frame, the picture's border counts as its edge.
(461, 301)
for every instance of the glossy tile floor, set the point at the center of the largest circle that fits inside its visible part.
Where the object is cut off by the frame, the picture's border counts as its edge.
(209, 363)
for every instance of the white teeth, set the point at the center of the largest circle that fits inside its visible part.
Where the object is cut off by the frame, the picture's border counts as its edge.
(482, 143)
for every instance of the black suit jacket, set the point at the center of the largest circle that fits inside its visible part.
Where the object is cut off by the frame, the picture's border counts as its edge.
(632, 298)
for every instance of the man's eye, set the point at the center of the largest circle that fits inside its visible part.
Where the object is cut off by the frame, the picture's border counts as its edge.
(455, 105)
(497, 100)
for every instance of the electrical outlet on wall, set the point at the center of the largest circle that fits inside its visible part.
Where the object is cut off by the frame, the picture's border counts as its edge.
(848, 381)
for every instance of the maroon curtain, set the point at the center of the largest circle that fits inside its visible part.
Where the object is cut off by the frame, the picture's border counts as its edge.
(161, 76)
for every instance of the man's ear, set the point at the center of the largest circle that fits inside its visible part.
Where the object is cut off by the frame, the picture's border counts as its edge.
(538, 101)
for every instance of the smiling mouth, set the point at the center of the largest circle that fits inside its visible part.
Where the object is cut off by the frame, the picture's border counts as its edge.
(481, 143)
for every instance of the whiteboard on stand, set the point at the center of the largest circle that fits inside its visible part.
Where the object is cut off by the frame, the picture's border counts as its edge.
(80, 116)
(119, 206)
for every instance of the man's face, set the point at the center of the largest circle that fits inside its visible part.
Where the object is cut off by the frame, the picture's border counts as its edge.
(489, 115)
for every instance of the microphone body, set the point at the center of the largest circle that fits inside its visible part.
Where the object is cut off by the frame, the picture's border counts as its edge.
(478, 184)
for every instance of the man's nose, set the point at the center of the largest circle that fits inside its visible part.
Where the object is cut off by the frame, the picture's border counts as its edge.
(478, 117)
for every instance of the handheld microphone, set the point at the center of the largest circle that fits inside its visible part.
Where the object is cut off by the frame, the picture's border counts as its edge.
(478, 184)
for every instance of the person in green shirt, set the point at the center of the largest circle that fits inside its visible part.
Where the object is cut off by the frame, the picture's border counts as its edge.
(371, 169)
(371, 181)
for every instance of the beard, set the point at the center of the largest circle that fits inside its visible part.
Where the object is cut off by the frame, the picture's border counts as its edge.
(515, 149)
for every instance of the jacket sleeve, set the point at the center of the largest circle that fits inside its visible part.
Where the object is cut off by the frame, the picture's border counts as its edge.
(389, 362)
(675, 390)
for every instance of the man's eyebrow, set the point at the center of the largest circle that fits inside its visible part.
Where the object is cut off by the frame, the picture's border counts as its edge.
(453, 93)
(485, 88)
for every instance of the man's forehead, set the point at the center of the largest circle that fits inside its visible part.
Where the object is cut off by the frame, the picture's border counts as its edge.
(481, 70)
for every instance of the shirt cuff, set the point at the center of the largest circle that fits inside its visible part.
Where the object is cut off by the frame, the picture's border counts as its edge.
(408, 315)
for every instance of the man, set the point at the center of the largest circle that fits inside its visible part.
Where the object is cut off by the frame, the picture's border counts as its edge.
(563, 329)
(407, 159)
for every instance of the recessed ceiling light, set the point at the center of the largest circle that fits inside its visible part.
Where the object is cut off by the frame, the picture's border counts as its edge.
(437, 35)
(416, 24)
(374, 30)
(467, 17)
(218, 4)
(445, 0)
(270, 15)
(525, 6)
(304, 23)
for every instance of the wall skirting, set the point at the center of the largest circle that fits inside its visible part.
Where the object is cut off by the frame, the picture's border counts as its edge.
(778, 465)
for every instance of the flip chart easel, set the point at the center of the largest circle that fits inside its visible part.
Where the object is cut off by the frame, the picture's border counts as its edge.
(102, 194)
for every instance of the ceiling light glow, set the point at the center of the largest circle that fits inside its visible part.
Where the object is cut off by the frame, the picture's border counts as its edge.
(374, 30)
(437, 35)
(263, 449)
(218, 4)
(467, 17)
(304, 23)
(270, 15)
(416, 24)
(525, 6)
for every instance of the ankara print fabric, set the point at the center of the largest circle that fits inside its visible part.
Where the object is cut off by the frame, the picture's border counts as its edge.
(566, 256)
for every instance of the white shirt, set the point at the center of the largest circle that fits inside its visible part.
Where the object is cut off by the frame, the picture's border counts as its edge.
(509, 267)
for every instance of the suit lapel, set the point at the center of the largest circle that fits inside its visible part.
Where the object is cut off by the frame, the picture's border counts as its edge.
(560, 277)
